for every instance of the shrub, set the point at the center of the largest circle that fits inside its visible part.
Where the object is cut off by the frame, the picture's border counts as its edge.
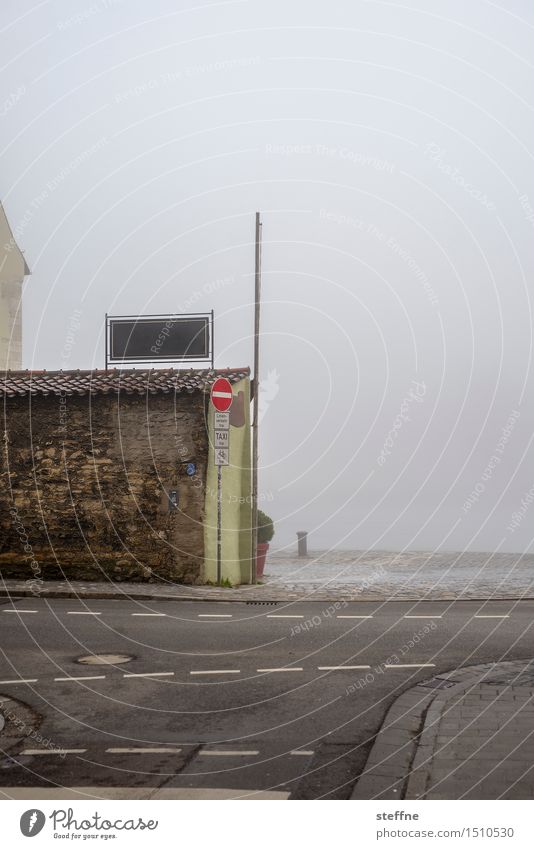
(265, 527)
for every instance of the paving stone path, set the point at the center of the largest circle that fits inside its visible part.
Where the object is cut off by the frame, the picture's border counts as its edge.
(468, 734)
(379, 575)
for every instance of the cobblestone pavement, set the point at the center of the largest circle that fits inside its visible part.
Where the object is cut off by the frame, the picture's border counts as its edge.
(383, 574)
(351, 575)
(468, 734)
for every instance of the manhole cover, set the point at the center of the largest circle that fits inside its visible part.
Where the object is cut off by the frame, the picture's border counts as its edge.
(104, 659)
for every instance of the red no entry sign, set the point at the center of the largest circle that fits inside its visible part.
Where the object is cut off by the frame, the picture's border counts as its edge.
(221, 394)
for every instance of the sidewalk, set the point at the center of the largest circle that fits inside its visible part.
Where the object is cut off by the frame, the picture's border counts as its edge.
(330, 576)
(468, 734)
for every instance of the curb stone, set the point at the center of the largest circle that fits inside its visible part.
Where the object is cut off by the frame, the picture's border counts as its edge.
(239, 594)
(398, 766)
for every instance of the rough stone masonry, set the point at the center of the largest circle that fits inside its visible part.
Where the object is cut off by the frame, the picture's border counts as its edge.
(86, 480)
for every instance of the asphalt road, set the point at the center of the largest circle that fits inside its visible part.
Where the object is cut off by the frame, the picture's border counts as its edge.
(227, 699)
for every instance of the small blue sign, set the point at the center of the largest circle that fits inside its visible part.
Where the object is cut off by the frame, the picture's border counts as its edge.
(191, 469)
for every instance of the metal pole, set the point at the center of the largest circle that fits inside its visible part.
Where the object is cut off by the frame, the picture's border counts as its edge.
(219, 524)
(106, 337)
(212, 341)
(257, 300)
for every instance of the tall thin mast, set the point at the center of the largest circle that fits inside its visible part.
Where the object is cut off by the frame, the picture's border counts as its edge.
(257, 300)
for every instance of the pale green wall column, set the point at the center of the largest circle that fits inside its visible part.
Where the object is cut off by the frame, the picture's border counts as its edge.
(13, 269)
(236, 496)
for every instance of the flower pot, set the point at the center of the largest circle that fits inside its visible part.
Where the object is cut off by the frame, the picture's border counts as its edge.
(261, 555)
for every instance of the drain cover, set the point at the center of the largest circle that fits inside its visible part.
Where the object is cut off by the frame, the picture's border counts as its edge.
(270, 603)
(104, 659)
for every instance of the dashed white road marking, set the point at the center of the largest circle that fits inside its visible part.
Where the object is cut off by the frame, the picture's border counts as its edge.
(81, 678)
(83, 613)
(351, 616)
(216, 753)
(19, 611)
(53, 751)
(492, 615)
(138, 750)
(270, 669)
(426, 616)
(282, 669)
(302, 752)
(145, 674)
(215, 615)
(148, 614)
(215, 672)
(285, 616)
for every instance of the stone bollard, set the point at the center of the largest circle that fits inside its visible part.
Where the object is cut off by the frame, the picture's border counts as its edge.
(302, 537)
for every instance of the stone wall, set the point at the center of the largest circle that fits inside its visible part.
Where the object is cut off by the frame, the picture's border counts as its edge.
(85, 482)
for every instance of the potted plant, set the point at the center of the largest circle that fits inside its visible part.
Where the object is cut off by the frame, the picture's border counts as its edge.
(265, 533)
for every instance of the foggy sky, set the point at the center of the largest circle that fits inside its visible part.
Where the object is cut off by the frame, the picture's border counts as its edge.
(389, 149)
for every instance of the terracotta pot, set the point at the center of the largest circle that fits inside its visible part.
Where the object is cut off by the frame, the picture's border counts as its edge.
(261, 555)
